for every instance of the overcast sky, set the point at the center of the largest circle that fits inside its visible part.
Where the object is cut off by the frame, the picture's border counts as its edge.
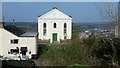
(29, 11)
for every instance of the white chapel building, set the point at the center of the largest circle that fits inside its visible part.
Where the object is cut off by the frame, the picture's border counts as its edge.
(54, 26)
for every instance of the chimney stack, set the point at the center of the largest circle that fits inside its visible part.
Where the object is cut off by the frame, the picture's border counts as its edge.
(1, 24)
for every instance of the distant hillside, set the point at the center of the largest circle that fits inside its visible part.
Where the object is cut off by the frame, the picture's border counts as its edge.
(104, 25)
(26, 26)
(32, 26)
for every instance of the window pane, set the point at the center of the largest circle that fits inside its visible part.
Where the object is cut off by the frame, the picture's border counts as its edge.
(65, 28)
(65, 25)
(44, 29)
(65, 37)
(12, 41)
(44, 25)
(15, 41)
(54, 25)
(65, 31)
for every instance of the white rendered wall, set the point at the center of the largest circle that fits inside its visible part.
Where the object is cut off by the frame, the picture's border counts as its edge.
(6, 39)
(5, 43)
(30, 42)
(50, 30)
(1, 41)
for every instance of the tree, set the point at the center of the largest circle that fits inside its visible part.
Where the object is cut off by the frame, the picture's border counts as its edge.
(110, 13)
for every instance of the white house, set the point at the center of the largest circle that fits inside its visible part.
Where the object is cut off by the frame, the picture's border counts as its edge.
(54, 26)
(13, 41)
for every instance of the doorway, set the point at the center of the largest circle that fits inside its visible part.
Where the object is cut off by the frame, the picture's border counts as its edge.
(54, 37)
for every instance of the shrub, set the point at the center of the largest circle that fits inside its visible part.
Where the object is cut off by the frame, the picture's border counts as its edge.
(68, 54)
(89, 41)
(108, 51)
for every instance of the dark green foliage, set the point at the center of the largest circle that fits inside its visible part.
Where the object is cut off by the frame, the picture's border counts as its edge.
(108, 51)
(68, 54)
(89, 41)
(116, 44)
(92, 51)
(104, 50)
(41, 49)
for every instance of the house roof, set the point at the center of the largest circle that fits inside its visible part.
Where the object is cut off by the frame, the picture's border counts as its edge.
(15, 30)
(19, 32)
(29, 34)
(54, 14)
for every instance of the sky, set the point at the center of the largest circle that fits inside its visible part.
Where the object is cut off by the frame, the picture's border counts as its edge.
(29, 11)
(0, 10)
(60, 0)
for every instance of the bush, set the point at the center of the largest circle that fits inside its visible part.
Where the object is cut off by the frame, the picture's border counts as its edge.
(108, 51)
(89, 41)
(68, 54)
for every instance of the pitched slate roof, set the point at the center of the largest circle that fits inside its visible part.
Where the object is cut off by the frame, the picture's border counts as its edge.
(15, 30)
(29, 34)
(19, 32)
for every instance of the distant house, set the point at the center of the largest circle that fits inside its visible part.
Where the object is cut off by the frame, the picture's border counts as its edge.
(16, 41)
(54, 26)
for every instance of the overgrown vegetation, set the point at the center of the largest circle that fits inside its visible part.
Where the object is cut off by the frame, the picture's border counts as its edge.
(62, 55)
(108, 51)
(91, 51)
(73, 52)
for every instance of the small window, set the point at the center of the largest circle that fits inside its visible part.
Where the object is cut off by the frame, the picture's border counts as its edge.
(54, 25)
(14, 41)
(14, 51)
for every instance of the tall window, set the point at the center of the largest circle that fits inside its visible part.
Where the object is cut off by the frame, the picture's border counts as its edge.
(44, 28)
(65, 31)
(65, 28)
(54, 25)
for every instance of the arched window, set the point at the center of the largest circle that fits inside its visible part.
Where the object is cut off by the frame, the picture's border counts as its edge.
(54, 25)
(44, 25)
(65, 25)
(65, 31)
(44, 28)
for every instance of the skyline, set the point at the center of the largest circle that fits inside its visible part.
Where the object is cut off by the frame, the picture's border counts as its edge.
(29, 11)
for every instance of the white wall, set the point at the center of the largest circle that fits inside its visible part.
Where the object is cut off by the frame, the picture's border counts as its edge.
(30, 42)
(1, 41)
(50, 30)
(6, 39)
(5, 42)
